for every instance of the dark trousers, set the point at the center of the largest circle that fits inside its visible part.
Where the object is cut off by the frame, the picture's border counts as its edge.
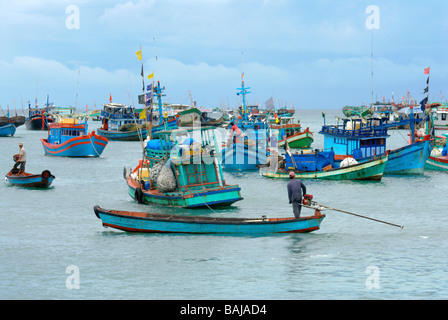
(21, 164)
(297, 206)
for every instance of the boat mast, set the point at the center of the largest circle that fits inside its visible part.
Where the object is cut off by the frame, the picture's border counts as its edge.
(243, 91)
(158, 91)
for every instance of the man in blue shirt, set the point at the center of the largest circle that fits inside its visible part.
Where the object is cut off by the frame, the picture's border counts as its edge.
(295, 188)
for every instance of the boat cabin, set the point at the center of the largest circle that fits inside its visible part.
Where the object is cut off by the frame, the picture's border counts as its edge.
(357, 137)
(65, 130)
(115, 115)
(191, 153)
(440, 116)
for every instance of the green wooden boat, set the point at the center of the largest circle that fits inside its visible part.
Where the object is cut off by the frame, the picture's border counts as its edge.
(437, 163)
(182, 169)
(370, 170)
(287, 130)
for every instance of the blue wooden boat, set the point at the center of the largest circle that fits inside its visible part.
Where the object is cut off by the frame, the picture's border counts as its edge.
(192, 169)
(363, 139)
(124, 123)
(163, 223)
(29, 180)
(7, 130)
(67, 138)
(252, 151)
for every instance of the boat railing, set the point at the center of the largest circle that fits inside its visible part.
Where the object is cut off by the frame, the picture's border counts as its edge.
(119, 115)
(362, 132)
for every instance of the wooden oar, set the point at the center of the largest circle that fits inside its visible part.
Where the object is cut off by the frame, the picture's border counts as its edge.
(358, 215)
(354, 214)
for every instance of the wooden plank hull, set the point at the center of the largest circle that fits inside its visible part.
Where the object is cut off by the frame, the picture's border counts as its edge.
(38, 122)
(301, 140)
(90, 145)
(135, 135)
(28, 180)
(370, 170)
(437, 163)
(7, 130)
(407, 160)
(161, 223)
(214, 197)
(240, 157)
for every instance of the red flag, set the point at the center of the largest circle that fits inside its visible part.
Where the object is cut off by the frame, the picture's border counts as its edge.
(110, 98)
(426, 70)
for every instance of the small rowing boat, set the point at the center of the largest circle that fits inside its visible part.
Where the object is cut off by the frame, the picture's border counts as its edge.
(164, 223)
(30, 180)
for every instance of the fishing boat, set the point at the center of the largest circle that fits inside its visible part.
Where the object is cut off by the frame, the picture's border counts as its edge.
(194, 116)
(68, 138)
(284, 112)
(437, 163)
(252, 151)
(322, 165)
(29, 180)
(440, 114)
(39, 118)
(350, 111)
(182, 169)
(164, 223)
(289, 132)
(7, 130)
(365, 138)
(189, 116)
(121, 122)
(16, 120)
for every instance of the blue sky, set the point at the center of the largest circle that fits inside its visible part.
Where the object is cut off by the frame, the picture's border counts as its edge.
(306, 54)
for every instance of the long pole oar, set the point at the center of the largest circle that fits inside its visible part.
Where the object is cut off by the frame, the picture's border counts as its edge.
(358, 215)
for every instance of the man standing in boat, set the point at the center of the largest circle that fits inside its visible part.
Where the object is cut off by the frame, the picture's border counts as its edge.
(235, 132)
(21, 159)
(274, 144)
(295, 188)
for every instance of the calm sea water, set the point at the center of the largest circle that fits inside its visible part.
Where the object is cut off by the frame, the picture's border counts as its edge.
(49, 237)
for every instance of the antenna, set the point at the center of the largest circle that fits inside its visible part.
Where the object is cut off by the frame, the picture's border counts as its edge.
(77, 88)
(372, 67)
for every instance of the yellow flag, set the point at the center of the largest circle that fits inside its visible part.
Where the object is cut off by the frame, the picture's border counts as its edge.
(151, 76)
(139, 54)
(143, 114)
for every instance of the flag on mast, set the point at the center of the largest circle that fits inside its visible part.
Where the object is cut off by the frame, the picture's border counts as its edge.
(426, 70)
(139, 54)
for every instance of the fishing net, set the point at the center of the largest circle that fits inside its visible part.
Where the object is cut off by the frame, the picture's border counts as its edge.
(154, 173)
(166, 181)
(348, 162)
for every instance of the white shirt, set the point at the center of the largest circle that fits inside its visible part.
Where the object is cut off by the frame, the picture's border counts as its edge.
(22, 152)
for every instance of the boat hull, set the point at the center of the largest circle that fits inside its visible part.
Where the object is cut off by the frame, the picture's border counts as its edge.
(7, 130)
(28, 180)
(437, 163)
(123, 136)
(370, 170)
(90, 145)
(300, 140)
(242, 158)
(214, 197)
(161, 223)
(38, 122)
(407, 160)
(135, 135)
